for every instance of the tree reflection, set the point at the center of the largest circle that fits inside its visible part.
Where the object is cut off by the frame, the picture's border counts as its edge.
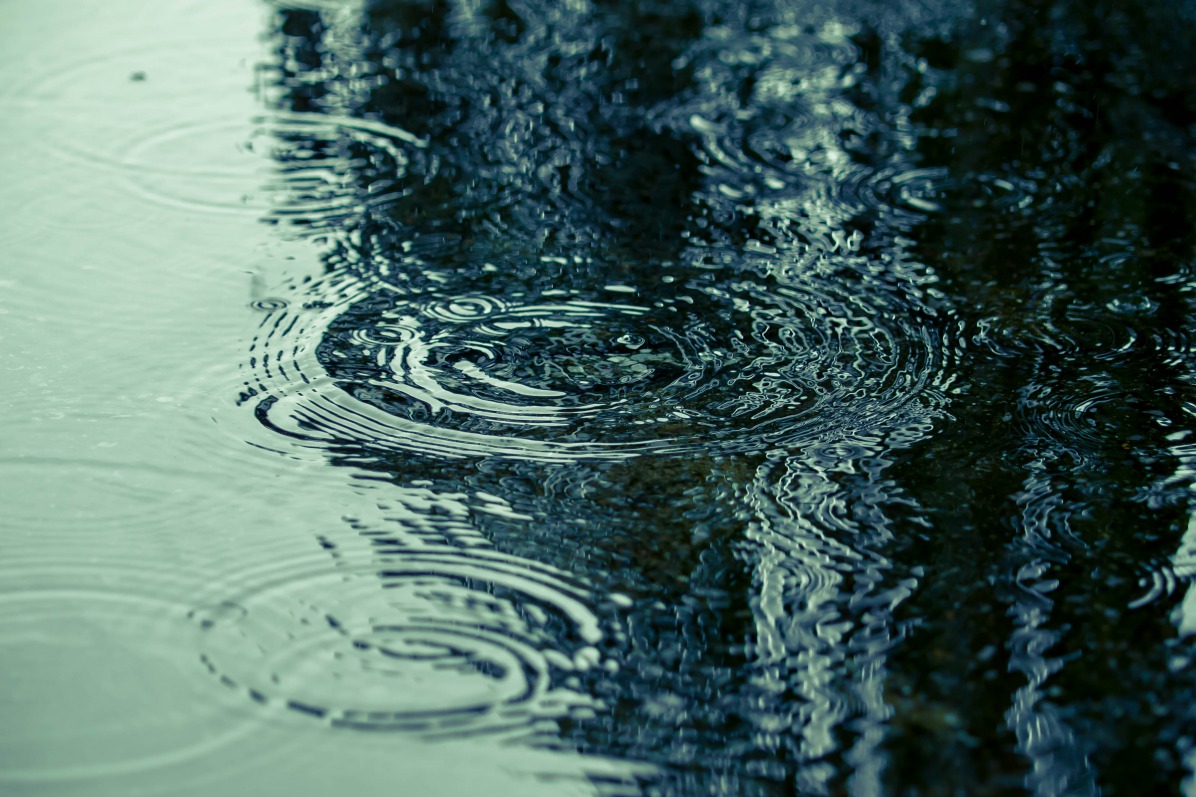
(858, 211)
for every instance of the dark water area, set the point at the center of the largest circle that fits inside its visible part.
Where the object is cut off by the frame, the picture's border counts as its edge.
(634, 398)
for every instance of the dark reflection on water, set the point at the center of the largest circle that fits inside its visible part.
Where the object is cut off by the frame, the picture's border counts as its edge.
(1069, 134)
(793, 398)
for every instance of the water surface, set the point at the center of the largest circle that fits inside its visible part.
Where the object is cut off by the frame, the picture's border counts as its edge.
(595, 397)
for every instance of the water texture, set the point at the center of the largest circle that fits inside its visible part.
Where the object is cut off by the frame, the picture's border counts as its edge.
(617, 272)
(630, 398)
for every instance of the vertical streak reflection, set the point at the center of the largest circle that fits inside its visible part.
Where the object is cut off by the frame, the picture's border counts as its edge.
(824, 603)
(1059, 763)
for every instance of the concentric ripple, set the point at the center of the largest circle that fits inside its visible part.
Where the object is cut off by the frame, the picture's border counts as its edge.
(432, 640)
(560, 375)
(312, 172)
(100, 684)
(1059, 323)
(902, 196)
(334, 168)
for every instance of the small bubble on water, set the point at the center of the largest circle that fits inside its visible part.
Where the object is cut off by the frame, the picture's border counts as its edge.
(1132, 305)
(631, 341)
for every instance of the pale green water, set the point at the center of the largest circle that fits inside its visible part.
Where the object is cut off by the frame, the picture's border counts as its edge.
(133, 254)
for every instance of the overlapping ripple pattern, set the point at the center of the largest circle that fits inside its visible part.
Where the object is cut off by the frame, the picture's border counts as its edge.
(449, 644)
(667, 397)
(556, 374)
(445, 329)
(604, 267)
(626, 282)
